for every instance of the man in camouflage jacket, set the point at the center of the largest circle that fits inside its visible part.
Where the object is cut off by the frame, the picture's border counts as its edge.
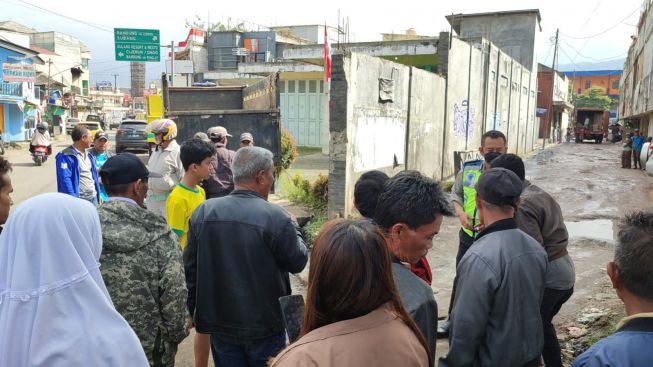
(141, 262)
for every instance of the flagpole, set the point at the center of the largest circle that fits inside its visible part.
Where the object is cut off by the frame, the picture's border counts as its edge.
(327, 90)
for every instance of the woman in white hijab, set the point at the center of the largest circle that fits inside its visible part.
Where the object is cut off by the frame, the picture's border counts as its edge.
(54, 307)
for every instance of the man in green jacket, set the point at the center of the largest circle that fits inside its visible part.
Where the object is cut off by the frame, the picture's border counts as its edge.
(141, 263)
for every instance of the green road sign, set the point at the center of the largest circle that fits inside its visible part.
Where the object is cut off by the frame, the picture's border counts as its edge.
(137, 44)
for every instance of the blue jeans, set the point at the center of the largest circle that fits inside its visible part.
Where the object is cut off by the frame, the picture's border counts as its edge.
(92, 201)
(236, 352)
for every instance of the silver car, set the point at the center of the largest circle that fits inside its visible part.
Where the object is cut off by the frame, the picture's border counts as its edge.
(70, 124)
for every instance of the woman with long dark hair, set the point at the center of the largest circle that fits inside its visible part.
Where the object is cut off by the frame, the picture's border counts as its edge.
(354, 316)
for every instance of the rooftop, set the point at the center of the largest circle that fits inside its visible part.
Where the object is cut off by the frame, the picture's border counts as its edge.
(10, 25)
(43, 51)
(593, 73)
(455, 19)
(29, 53)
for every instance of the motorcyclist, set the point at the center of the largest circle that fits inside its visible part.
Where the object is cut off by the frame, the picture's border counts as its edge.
(41, 137)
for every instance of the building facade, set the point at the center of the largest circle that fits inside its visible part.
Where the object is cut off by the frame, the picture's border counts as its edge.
(20, 108)
(635, 102)
(607, 79)
(553, 112)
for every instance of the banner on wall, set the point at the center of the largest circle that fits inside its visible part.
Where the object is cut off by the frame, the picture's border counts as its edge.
(18, 73)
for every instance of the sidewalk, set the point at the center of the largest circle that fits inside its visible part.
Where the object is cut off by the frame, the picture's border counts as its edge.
(24, 145)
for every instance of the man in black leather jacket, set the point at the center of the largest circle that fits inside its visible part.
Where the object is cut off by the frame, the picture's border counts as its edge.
(240, 250)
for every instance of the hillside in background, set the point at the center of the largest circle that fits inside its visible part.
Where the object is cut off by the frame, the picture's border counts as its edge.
(617, 64)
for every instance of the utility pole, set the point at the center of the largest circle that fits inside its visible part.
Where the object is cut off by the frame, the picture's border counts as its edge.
(553, 81)
(47, 92)
(115, 82)
(172, 64)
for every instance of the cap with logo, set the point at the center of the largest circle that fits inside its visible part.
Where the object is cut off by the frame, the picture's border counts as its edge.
(125, 168)
(101, 135)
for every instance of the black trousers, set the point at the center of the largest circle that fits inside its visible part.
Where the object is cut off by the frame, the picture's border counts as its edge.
(551, 302)
(465, 242)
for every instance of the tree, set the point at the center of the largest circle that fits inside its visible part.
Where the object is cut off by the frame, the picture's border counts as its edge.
(594, 97)
(199, 23)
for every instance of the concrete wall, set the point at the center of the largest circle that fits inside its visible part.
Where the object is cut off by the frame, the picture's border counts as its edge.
(464, 105)
(426, 128)
(513, 34)
(432, 121)
(494, 91)
(366, 133)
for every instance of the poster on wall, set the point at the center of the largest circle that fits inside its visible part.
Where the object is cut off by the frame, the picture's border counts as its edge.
(18, 73)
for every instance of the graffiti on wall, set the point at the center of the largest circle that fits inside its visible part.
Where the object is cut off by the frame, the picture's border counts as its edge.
(461, 126)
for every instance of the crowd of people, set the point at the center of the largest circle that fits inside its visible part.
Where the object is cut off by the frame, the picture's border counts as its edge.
(117, 268)
(632, 148)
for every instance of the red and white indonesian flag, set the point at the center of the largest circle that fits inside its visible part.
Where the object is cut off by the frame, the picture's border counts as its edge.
(327, 59)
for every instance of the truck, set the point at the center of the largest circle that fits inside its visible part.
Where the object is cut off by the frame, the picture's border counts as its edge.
(239, 109)
(591, 124)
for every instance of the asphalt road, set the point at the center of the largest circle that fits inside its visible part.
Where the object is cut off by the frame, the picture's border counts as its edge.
(29, 180)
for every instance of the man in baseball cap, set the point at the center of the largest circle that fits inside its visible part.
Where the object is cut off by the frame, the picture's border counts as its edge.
(133, 239)
(217, 133)
(221, 181)
(496, 312)
(101, 153)
(246, 140)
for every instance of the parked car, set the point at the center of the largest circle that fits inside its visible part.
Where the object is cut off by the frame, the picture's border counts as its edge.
(92, 126)
(132, 135)
(70, 124)
(96, 118)
(114, 124)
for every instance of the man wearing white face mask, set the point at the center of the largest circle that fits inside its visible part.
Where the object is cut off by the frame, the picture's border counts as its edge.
(166, 160)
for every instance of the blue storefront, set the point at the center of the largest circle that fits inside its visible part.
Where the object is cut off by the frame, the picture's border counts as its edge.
(16, 90)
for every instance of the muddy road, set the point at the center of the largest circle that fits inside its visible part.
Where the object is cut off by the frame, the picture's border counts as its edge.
(594, 192)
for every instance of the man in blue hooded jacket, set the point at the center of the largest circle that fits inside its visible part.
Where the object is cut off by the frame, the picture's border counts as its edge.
(76, 172)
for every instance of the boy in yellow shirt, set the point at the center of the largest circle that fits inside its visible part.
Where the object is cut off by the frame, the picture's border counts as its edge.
(196, 157)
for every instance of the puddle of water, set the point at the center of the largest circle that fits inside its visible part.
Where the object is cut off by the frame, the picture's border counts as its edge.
(600, 229)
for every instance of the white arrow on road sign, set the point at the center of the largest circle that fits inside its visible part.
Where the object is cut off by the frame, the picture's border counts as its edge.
(155, 38)
(121, 54)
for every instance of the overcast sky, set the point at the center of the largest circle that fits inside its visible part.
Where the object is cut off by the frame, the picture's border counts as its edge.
(93, 22)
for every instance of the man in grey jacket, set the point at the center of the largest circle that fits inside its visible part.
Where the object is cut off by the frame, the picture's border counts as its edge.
(540, 216)
(410, 212)
(496, 313)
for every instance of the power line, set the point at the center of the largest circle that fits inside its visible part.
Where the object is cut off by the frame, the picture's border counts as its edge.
(547, 54)
(583, 27)
(591, 15)
(567, 55)
(28, 5)
(111, 69)
(606, 30)
(592, 58)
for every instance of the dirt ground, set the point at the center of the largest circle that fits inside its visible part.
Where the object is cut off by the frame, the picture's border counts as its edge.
(593, 191)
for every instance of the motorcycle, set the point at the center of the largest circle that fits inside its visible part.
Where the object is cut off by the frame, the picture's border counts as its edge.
(40, 154)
